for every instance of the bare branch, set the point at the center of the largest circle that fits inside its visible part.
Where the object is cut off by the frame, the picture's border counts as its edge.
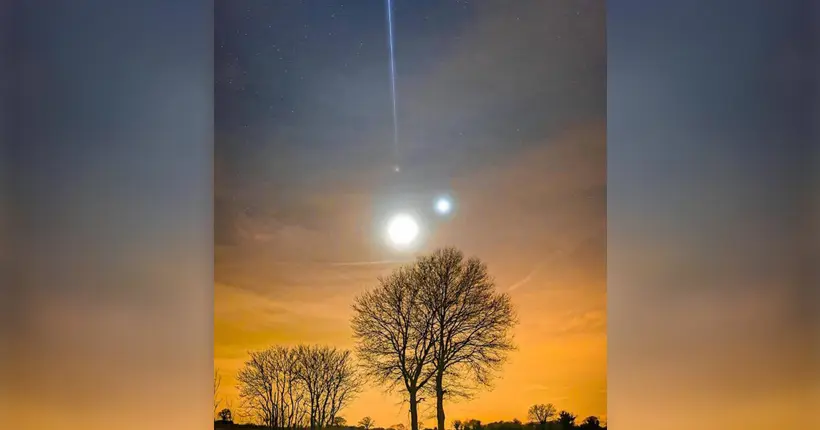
(439, 319)
(541, 413)
(291, 387)
(472, 323)
(395, 336)
(217, 385)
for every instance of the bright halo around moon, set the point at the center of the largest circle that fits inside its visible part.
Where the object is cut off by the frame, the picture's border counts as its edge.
(443, 205)
(402, 230)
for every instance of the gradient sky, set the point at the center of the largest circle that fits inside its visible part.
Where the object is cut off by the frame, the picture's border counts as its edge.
(711, 121)
(501, 104)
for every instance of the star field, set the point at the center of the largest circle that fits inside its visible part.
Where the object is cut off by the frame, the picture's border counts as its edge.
(282, 68)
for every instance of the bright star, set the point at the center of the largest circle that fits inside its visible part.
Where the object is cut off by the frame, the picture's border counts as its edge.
(443, 205)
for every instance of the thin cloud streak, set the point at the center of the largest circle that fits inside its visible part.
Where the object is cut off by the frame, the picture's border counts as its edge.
(555, 256)
(371, 263)
(527, 278)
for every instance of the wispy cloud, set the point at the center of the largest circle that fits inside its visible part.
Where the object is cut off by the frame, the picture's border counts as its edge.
(527, 278)
(370, 263)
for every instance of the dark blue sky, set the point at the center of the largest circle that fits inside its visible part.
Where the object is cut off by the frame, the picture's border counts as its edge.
(302, 87)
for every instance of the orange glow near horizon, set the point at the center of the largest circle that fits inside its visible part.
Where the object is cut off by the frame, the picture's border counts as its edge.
(537, 220)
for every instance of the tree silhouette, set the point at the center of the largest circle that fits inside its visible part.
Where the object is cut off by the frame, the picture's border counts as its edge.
(285, 387)
(473, 425)
(591, 423)
(566, 420)
(541, 413)
(366, 423)
(256, 386)
(393, 335)
(225, 415)
(457, 425)
(217, 384)
(472, 322)
(339, 422)
(328, 377)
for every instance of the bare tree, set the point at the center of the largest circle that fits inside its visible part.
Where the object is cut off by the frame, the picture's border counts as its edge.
(257, 387)
(541, 413)
(217, 384)
(330, 381)
(225, 415)
(472, 323)
(311, 374)
(394, 335)
(285, 387)
(344, 383)
(366, 423)
(290, 397)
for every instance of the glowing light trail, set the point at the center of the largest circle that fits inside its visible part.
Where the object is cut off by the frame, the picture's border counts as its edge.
(393, 81)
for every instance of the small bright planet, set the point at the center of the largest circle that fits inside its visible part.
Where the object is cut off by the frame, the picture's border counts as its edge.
(402, 230)
(443, 205)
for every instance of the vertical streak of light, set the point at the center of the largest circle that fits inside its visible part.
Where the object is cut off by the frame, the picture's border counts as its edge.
(393, 79)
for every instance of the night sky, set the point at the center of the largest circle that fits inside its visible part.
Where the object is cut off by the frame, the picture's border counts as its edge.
(500, 104)
(302, 88)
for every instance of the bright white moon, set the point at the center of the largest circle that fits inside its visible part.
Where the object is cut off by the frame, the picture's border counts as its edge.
(443, 206)
(402, 230)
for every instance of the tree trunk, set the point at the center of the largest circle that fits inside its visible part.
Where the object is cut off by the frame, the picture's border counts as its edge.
(414, 413)
(312, 413)
(440, 400)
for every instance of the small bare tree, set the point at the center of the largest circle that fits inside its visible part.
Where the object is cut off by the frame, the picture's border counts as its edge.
(217, 384)
(283, 387)
(225, 415)
(541, 413)
(472, 323)
(366, 423)
(394, 335)
(330, 381)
